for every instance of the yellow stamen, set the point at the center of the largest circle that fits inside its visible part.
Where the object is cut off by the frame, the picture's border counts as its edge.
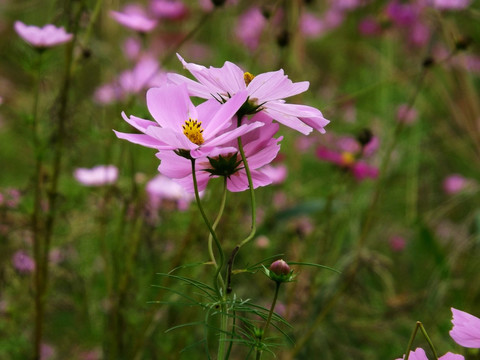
(193, 131)
(347, 158)
(247, 77)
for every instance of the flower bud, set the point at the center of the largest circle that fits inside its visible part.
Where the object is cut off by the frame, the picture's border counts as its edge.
(280, 272)
(280, 267)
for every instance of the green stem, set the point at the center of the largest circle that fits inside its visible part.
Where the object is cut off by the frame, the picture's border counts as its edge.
(37, 246)
(217, 220)
(267, 323)
(419, 325)
(212, 233)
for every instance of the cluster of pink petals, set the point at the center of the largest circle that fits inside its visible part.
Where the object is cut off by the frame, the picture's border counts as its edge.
(44, 37)
(162, 188)
(145, 74)
(260, 149)
(419, 354)
(454, 183)
(466, 329)
(169, 9)
(22, 262)
(267, 90)
(171, 107)
(250, 26)
(134, 17)
(96, 176)
(349, 155)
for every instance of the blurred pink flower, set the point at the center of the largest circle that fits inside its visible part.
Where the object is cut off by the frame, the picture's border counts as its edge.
(107, 93)
(369, 26)
(419, 354)
(162, 188)
(419, 34)
(168, 9)
(132, 47)
(134, 17)
(262, 242)
(145, 74)
(402, 14)
(250, 26)
(10, 198)
(406, 114)
(397, 243)
(311, 25)
(347, 153)
(277, 173)
(45, 37)
(97, 176)
(47, 352)
(22, 262)
(451, 4)
(454, 183)
(266, 93)
(260, 149)
(466, 329)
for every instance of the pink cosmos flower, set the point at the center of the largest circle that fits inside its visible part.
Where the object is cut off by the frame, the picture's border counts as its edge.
(419, 354)
(169, 9)
(369, 26)
(350, 157)
(162, 188)
(145, 74)
(45, 37)
(22, 262)
(266, 93)
(97, 176)
(397, 243)
(134, 17)
(466, 329)
(132, 48)
(260, 149)
(454, 184)
(179, 125)
(250, 26)
(311, 25)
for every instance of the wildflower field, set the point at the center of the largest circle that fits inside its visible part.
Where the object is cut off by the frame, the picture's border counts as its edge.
(233, 179)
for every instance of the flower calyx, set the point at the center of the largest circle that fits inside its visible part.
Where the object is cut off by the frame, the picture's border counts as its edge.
(224, 165)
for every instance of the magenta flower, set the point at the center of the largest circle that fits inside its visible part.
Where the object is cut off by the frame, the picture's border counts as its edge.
(162, 188)
(266, 93)
(277, 174)
(250, 26)
(97, 176)
(311, 25)
(134, 17)
(169, 9)
(369, 26)
(145, 74)
(466, 329)
(260, 149)
(397, 243)
(349, 155)
(419, 354)
(22, 262)
(45, 37)
(182, 126)
(454, 184)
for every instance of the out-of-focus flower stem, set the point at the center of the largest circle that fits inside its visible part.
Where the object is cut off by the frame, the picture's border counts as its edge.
(217, 220)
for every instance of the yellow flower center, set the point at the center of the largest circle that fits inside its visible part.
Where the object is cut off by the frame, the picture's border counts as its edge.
(347, 158)
(193, 131)
(247, 77)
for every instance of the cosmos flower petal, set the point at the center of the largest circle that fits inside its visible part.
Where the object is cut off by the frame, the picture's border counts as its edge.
(225, 113)
(174, 139)
(138, 123)
(288, 120)
(140, 139)
(466, 329)
(194, 88)
(231, 135)
(45, 37)
(275, 85)
(170, 105)
(173, 166)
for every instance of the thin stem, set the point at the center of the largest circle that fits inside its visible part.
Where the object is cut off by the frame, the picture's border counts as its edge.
(217, 220)
(212, 231)
(419, 325)
(410, 342)
(267, 323)
(37, 238)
